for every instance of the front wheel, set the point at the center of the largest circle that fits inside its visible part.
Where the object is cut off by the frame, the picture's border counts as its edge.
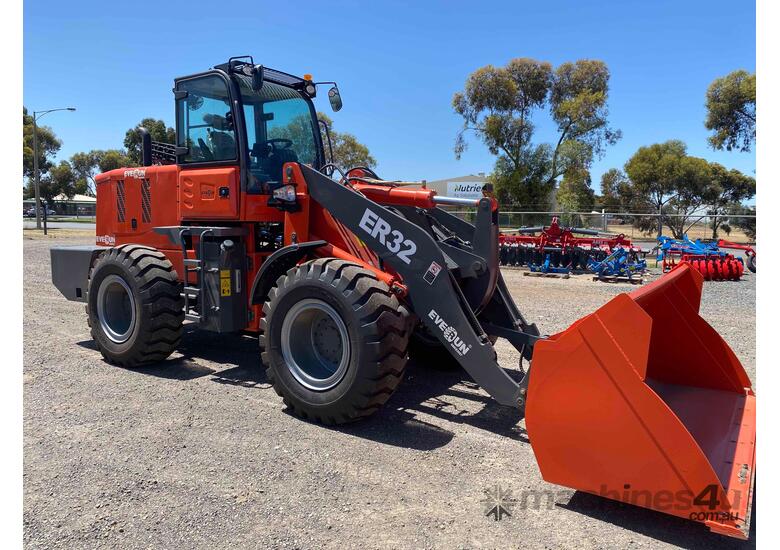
(334, 340)
(134, 306)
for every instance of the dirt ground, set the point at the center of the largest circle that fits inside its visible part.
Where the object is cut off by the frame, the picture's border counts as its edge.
(199, 452)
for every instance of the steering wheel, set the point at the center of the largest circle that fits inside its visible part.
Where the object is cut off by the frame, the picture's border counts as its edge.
(283, 143)
(204, 149)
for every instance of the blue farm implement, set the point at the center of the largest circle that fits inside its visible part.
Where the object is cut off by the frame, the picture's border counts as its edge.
(620, 264)
(547, 266)
(704, 256)
(559, 248)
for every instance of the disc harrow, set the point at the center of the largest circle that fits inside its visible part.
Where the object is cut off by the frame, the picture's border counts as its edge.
(620, 263)
(560, 249)
(704, 256)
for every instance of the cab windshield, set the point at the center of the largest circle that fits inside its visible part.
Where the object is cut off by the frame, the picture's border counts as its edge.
(280, 128)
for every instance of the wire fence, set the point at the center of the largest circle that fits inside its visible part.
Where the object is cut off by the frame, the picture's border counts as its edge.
(635, 225)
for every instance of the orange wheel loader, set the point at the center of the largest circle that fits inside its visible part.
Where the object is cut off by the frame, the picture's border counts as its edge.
(245, 225)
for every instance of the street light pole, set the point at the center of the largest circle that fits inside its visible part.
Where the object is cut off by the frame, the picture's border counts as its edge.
(36, 172)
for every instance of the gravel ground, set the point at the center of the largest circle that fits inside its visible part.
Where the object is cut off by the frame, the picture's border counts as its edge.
(199, 452)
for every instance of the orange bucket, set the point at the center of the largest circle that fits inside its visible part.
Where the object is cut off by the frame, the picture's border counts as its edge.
(643, 402)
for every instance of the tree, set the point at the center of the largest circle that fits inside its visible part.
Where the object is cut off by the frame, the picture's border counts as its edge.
(575, 193)
(84, 166)
(347, 150)
(748, 224)
(158, 131)
(524, 183)
(731, 111)
(578, 100)
(654, 172)
(728, 189)
(694, 185)
(498, 104)
(60, 180)
(87, 165)
(616, 193)
(48, 146)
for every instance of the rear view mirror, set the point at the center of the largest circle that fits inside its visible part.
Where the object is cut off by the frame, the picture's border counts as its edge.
(335, 99)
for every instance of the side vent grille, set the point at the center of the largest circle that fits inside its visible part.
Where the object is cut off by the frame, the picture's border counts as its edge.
(146, 201)
(120, 200)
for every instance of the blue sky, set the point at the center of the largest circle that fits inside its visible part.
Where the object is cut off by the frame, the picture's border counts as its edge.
(397, 65)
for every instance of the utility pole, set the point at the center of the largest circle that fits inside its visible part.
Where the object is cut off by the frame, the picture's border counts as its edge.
(36, 172)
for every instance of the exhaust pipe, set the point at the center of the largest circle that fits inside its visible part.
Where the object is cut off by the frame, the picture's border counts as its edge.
(146, 146)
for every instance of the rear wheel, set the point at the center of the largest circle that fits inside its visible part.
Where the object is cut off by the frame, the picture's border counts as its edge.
(334, 340)
(134, 306)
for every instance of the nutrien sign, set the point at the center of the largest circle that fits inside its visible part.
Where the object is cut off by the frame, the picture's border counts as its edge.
(465, 189)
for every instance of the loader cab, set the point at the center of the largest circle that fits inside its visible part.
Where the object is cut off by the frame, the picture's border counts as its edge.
(224, 119)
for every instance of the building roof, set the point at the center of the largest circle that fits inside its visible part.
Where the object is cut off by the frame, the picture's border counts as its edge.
(76, 198)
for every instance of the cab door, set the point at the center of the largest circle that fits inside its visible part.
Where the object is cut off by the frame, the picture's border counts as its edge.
(208, 149)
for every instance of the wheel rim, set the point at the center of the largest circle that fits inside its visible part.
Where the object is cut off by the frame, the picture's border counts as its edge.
(315, 344)
(116, 309)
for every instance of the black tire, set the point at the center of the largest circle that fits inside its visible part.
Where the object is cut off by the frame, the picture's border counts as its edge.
(139, 282)
(751, 263)
(376, 323)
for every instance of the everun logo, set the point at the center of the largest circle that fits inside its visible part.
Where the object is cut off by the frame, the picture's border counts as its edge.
(450, 334)
(135, 173)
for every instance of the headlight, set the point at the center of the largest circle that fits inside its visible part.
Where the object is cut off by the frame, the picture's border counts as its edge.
(285, 193)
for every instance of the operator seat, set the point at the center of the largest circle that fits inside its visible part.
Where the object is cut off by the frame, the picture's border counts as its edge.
(223, 145)
(276, 161)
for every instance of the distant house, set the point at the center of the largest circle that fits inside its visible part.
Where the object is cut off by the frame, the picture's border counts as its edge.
(79, 205)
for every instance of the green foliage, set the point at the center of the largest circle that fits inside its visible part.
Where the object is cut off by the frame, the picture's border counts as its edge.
(578, 102)
(727, 190)
(112, 159)
(695, 177)
(654, 173)
(87, 165)
(663, 179)
(498, 104)
(524, 183)
(60, 179)
(615, 191)
(731, 111)
(157, 129)
(347, 150)
(747, 225)
(48, 146)
(574, 193)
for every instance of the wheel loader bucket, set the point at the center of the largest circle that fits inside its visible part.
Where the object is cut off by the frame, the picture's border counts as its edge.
(643, 402)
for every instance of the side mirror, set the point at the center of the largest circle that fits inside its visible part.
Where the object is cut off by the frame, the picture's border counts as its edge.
(335, 99)
(257, 78)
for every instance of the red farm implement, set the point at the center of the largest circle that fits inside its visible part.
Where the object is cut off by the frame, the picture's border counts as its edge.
(705, 257)
(569, 248)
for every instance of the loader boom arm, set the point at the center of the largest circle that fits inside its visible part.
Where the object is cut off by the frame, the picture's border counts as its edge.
(433, 295)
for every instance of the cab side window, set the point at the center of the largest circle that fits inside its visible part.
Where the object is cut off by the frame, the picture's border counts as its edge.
(204, 120)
